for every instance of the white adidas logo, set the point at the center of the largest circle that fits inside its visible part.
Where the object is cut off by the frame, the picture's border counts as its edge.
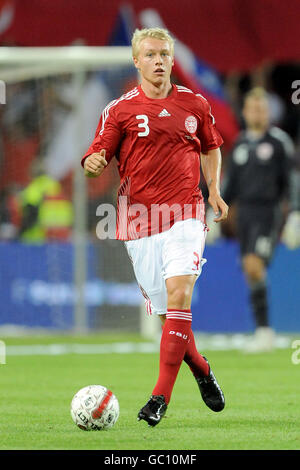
(164, 113)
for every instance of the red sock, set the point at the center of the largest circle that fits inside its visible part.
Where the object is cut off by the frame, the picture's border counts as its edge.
(194, 360)
(173, 344)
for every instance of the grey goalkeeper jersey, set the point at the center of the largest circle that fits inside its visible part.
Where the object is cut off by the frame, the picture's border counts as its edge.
(260, 171)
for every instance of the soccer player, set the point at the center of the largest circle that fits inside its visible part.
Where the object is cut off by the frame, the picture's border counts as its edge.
(157, 133)
(258, 178)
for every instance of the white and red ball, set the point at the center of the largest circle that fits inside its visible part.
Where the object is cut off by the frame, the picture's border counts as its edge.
(94, 408)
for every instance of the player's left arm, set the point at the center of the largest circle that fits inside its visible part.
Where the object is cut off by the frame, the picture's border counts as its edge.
(211, 167)
(211, 159)
(290, 181)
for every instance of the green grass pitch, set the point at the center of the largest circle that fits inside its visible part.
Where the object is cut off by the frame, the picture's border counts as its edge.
(262, 401)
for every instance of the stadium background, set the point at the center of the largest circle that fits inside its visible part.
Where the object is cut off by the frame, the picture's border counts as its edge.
(231, 45)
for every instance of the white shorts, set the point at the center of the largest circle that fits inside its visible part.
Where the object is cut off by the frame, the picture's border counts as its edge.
(175, 252)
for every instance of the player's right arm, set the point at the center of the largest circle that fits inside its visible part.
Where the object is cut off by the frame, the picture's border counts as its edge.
(95, 164)
(105, 144)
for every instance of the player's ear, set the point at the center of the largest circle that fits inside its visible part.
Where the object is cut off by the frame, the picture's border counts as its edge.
(136, 62)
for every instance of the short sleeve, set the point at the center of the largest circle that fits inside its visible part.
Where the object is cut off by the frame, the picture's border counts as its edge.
(108, 135)
(208, 134)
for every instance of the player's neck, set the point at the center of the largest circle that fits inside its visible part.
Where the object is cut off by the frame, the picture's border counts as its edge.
(156, 91)
(256, 132)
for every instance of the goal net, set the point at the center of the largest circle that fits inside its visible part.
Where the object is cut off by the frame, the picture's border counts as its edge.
(55, 273)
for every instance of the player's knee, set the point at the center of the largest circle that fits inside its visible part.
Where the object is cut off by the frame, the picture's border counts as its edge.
(178, 297)
(179, 291)
(253, 268)
(253, 274)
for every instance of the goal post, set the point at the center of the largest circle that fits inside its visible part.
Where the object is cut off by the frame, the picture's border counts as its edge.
(44, 85)
(26, 63)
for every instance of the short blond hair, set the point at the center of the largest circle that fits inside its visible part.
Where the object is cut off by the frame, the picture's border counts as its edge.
(157, 33)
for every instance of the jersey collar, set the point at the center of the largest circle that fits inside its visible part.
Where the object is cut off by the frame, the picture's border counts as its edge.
(170, 97)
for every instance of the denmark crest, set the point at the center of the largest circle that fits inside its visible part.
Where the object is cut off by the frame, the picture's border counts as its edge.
(264, 151)
(191, 124)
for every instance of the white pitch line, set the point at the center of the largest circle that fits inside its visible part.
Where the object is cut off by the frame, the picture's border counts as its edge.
(218, 342)
(60, 349)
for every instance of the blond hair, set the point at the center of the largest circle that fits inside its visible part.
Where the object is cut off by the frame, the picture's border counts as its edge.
(157, 33)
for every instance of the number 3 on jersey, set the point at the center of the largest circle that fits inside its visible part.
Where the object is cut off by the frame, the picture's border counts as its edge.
(143, 125)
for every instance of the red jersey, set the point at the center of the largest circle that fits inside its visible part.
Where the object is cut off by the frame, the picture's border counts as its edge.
(157, 144)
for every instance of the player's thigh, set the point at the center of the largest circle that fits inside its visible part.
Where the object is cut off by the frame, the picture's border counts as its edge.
(180, 291)
(182, 253)
(258, 233)
(146, 258)
(247, 230)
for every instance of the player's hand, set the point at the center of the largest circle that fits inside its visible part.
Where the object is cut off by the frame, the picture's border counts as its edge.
(95, 164)
(214, 230)
(218, 205)
(291, 231)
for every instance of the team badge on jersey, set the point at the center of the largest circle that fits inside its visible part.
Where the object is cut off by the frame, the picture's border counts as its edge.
(191, 124)
(241, 154)
(264, 151)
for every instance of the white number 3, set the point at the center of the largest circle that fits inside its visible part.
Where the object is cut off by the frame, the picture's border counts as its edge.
(144, 125)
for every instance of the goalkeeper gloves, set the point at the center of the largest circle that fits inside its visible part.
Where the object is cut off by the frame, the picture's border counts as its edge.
(291, 231)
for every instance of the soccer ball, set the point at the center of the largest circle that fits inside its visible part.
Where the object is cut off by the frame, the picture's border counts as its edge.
(94, 407)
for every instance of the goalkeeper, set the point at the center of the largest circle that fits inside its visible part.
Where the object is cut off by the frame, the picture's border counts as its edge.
(259, 177)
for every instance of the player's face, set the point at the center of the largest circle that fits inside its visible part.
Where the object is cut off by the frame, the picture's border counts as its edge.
(256, 113)
(154, 60)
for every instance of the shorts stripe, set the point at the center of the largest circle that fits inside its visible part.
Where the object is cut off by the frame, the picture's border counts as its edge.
(148, 306)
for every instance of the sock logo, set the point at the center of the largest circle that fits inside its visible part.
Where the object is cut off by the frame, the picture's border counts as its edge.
(177, 333)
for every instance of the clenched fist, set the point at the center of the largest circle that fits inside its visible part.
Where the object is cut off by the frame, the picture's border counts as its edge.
(95, 163)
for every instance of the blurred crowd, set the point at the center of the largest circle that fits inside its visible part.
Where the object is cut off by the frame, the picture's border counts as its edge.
(28, 196)
(37, 128)
(38, 153)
